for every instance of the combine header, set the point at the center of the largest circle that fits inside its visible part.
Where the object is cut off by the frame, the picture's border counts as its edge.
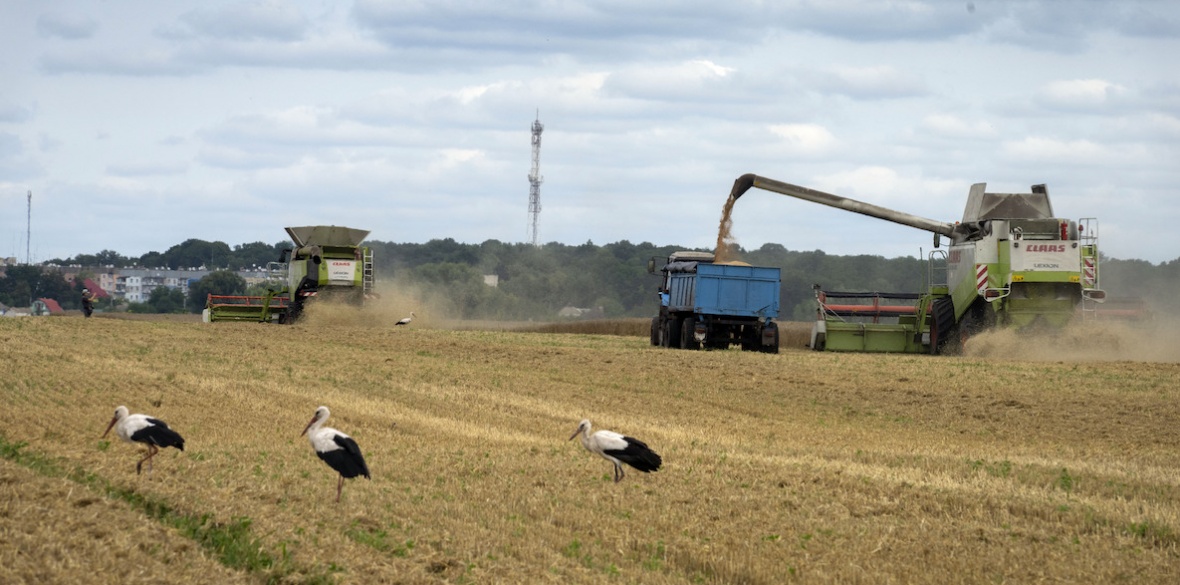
(1011, 263)
(327, 263)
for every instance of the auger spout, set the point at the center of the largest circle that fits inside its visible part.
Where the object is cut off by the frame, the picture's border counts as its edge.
(745, 182)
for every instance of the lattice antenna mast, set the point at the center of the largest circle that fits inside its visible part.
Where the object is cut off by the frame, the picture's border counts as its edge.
(29, 232)
(535, 180)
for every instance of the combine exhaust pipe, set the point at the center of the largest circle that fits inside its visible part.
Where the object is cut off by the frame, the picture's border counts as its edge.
(745, 182)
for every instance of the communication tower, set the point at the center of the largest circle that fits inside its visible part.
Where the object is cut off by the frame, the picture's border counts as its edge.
(535, 179)
(29, 232)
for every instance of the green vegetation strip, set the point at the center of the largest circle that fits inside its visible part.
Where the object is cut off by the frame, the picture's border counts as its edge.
(231, 544)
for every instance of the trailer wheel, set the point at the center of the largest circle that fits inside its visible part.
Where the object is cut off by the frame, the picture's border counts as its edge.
(686, 334)
(751, 336)
(655, 331)
(672, 332)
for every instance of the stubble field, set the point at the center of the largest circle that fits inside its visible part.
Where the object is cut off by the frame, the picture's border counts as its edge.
(795, 467)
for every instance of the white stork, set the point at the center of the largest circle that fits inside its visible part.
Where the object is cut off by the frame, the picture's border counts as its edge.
(337, 449)
(405, 321)
(141, 428)
(618, 449)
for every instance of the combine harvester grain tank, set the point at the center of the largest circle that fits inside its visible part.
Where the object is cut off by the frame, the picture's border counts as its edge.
(328, 263)
(1011, 263)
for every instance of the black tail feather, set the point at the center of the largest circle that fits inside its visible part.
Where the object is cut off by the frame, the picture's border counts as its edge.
(638, 455)
(160, 435)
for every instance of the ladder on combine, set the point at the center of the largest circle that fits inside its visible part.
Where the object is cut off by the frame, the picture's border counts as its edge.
(1088, 234)
(367, 272)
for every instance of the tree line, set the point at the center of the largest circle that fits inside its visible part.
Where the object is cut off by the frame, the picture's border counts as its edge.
(535, 282)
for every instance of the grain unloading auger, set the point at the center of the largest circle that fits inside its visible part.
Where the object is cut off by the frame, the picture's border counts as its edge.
(1011, 263)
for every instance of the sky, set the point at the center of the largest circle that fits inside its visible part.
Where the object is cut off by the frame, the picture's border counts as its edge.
(139, 124)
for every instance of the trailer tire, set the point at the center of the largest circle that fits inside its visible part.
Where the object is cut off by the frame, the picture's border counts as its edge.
(664, 332)
(686, 334)
(672, 332)
(655, 331)
(751, 336)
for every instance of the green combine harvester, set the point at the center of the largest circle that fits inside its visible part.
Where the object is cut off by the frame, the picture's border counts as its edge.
(328, 263)
(1011, 263)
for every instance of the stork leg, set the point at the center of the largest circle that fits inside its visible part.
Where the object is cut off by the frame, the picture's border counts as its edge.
(151, 452)
(618, 473)
(339, 486)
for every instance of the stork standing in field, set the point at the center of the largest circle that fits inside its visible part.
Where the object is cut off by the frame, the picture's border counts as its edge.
(405, 321)
(337, 449)
(618, 449)
(141, 428)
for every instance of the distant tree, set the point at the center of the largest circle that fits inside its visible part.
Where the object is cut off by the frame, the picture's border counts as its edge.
(194, 253)
(112, 258)
(221, 282)
(152, 260)
(103, 258)
(23, 284)
(255, 254)
(166, 300)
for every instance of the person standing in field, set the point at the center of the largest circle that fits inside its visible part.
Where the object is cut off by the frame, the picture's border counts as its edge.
(87, 302)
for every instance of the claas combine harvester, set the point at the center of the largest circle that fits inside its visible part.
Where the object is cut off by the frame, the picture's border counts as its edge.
(328, 263)
(1011, 263)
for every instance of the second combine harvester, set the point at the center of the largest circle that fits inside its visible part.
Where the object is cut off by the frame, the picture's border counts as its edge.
(1011, 263)
(328, 262)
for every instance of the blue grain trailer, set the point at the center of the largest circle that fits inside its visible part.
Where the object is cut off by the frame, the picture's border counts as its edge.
(704, 304)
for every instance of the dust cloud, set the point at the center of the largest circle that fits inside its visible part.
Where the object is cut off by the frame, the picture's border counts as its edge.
(394, 302)
(1154, 341)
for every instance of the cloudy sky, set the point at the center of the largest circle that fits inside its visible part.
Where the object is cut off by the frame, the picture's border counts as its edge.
(139, 124)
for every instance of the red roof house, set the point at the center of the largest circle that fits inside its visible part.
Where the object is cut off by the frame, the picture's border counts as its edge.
(94, 288)
(54, 308)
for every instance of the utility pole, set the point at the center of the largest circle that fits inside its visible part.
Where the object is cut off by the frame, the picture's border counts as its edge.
(535, 179)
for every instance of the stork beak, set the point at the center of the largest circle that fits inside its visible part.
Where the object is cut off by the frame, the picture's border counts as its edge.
(109, 427)
(311, 422)
(575, 434)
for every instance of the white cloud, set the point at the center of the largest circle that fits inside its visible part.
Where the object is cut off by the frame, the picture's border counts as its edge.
(1049, 150)
(275, 20)
(951, 126)
(676, 82)
(146, 168)
(875, 82)
(805, 138)
(1084, 94)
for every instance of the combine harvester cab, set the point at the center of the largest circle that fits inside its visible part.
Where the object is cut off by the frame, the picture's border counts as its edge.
(1011, 263)
(711, 305)
(327, 263)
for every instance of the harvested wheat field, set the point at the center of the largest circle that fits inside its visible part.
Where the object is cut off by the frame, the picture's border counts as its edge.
(796, 467)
